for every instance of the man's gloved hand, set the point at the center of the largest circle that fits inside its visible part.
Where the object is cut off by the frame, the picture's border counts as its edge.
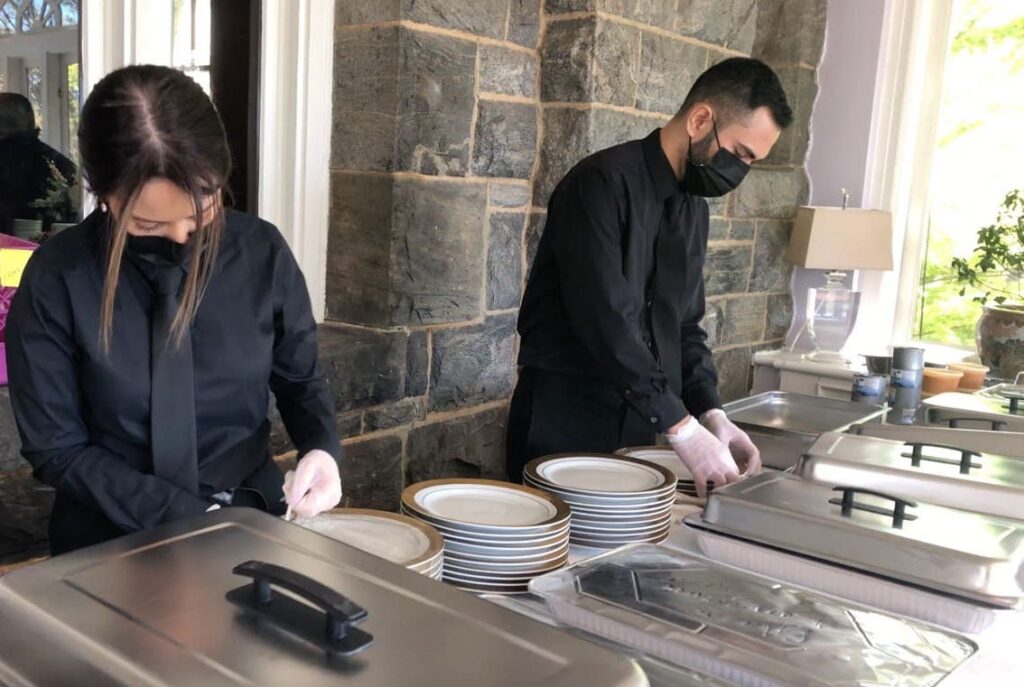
(705, 456)
(314, 486)
(739, 444)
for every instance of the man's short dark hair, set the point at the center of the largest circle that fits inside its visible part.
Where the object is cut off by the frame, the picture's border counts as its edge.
(16, 115)
(738, 86)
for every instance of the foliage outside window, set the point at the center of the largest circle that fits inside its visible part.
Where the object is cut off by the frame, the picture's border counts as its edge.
(977, 160)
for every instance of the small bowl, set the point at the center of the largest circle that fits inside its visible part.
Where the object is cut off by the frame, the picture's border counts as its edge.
(938, 381)
(878, 364)
(974, 375)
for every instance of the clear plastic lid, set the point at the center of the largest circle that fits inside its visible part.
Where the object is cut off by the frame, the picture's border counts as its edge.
(743, 628)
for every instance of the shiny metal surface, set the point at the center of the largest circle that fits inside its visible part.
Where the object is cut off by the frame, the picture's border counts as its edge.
(783, 425)
(971, 411)
(1005, 444)
(992, 485)
(150, 609)
(956, 552)
(743, 628)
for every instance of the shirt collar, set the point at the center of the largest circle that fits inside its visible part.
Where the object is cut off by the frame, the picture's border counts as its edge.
(662, 176)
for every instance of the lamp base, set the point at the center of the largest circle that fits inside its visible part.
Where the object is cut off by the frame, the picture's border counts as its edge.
(826, 358)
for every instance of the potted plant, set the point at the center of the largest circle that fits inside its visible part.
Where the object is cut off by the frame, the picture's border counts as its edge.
(996, 269)
(58, 205)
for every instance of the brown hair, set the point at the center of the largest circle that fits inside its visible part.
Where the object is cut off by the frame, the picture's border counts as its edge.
(145, 122)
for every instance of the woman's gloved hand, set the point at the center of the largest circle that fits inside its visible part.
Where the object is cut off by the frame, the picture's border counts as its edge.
(314, 486)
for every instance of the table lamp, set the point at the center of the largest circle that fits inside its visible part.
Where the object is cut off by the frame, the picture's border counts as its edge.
(837, 240)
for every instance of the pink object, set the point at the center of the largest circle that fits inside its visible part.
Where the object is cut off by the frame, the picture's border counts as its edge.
(6, 295)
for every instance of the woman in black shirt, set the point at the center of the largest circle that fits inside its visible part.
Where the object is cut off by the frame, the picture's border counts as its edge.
(142, 343)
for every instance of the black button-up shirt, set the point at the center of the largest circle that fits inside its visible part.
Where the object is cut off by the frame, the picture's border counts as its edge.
(84, 415)
(594, 284)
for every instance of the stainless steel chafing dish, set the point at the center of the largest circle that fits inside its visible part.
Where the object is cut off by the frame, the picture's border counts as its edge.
(742, 628)
(964, 554)
(959, 478)
(1006, 444)
(783, 425)
(240, 597)
(974, 411)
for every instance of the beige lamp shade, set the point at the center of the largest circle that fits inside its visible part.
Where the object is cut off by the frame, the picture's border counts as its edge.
(838, 239)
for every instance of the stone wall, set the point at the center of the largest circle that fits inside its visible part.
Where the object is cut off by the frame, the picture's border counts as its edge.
(454, 119)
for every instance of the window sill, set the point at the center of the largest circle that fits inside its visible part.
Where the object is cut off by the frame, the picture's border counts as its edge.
(944, 355)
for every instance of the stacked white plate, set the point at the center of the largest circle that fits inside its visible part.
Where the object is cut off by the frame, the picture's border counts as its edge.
(397, 538)
(615, 500)
(498, 536)
(666, 457)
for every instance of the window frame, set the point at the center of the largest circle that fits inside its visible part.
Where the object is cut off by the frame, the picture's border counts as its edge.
(915, 42)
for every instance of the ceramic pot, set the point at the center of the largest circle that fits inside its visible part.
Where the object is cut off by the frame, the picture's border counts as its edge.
(1000, 339)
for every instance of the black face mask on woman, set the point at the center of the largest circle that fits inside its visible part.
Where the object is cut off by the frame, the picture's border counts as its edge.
(158, 250)
(716, 177)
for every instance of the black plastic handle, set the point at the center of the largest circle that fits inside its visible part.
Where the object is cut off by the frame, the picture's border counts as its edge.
(898, 513)
(342, 613)
(916, 455)
(1014, 406)
(997, 425)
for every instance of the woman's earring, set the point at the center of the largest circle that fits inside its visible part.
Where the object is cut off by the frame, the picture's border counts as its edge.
(103, 208)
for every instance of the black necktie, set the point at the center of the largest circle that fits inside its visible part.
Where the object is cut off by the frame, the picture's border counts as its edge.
(172, 391)
(666, 319)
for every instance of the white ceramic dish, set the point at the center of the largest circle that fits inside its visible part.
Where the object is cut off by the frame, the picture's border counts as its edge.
(397, 538)
(485, 504)
(589, 474)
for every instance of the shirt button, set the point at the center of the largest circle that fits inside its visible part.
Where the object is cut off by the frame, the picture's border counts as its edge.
(654, 420)
(649, 303)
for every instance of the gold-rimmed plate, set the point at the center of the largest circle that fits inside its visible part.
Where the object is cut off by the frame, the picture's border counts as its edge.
(482, 505)
(394, 537)
(600, 475)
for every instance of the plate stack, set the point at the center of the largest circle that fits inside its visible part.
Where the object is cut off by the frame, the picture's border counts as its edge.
(397, 538)
(615, 500)
(666, 457)
(498, 536)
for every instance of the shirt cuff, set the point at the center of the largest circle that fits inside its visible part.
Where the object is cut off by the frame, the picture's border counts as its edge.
(183, 506)
(701, 398)
(663, 411)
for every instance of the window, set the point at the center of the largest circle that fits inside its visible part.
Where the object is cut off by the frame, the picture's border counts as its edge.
(190, 40)
(25, 16)
(976, 159)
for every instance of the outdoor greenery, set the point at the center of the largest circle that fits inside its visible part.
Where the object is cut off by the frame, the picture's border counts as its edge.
(997, 264)
(975, 169)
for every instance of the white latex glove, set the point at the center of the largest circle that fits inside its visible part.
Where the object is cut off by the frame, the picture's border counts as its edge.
(314, 485)
(706, 457)
(739, 444)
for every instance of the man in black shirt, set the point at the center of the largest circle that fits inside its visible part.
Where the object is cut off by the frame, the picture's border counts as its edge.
(612, 348)
(25, 173)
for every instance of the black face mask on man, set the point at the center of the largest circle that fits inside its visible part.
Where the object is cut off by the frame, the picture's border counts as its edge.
(716, 177)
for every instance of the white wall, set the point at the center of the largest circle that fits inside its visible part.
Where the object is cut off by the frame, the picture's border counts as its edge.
(841, 125)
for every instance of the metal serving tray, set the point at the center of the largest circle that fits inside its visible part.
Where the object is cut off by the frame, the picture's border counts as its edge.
(783, 425)
(166, 607)
(743, 628)
(965, 479)
(1004, 444)
(972, 411)
(974, 556)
